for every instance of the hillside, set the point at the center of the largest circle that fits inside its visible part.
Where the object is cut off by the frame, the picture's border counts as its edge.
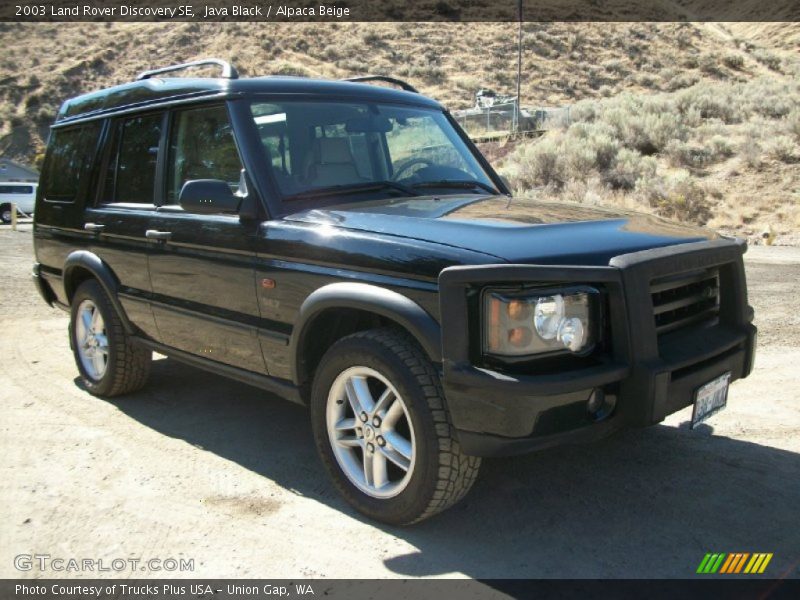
(46, 63)
(563, 64)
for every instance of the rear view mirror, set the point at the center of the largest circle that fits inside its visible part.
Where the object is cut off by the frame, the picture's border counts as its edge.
(208, 197)
(368, 125)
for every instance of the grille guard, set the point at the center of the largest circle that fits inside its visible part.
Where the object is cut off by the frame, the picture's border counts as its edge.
(635, 360)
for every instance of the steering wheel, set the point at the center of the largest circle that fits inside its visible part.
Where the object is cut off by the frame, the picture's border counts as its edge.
(412, 162)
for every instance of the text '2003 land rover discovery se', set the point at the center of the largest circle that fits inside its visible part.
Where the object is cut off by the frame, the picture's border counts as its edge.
(345, 246)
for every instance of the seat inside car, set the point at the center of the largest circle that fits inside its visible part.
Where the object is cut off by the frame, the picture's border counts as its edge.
(330, 162)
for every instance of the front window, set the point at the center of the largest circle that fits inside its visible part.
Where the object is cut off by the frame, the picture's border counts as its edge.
(336, 149)
(201, 146)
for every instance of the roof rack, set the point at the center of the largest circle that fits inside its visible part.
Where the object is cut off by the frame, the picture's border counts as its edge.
(228, 71)
(398, 82)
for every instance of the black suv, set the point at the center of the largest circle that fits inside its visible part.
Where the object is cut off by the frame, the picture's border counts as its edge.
(344, 245)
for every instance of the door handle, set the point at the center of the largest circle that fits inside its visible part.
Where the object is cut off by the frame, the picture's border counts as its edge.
(96, 227)
(155, 234)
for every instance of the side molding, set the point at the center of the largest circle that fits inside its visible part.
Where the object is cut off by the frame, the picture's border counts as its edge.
(370, 298)
(102, 272)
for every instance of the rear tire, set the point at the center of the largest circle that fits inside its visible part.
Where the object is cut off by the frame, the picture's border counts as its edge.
(5, 213)
(403, 464)
(108, 361)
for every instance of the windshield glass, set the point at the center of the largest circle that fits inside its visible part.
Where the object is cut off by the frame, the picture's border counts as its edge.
(339, 149)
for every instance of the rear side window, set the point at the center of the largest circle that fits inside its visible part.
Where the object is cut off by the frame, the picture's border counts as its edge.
(16, 189)
(131, 174)
(69, 159)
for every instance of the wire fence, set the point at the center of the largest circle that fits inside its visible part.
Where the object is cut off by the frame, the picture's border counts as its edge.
(501, 119)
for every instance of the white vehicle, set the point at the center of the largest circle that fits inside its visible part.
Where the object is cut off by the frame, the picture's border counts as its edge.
(21, 193)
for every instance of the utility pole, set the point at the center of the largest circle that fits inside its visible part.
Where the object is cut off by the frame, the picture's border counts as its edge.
(517, 109)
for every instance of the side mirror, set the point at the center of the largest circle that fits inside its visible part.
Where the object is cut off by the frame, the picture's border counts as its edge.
(208, 197)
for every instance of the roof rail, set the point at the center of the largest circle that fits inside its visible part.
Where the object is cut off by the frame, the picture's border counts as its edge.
(228, 71)
(398, 82)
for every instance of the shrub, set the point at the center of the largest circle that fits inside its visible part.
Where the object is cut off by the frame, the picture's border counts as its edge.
(662, 128)
(615, 66)
(783, 148)
(675, 197)
(710, 64)
(767, 58)
(682, 80)
(711, 101)
(578, 159)
(629, 167)
(583, 111)
(371, 38)
(750, 151)
(539, 164)
(689, 154)
(720, 148)
(291, 69)
(691, 61)
(793, 123)
(733, 61)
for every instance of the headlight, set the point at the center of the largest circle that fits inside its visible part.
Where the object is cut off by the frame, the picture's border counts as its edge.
(536, 322)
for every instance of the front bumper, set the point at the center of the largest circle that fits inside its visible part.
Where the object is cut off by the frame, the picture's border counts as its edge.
(644, 378)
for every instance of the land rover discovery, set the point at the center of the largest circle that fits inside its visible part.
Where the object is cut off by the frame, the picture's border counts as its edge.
(345, 246)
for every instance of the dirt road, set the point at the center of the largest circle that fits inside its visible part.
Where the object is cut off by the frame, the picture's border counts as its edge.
(199, 467)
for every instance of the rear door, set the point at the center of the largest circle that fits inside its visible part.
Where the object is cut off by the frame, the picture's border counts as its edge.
(202, 270)
(125, 205)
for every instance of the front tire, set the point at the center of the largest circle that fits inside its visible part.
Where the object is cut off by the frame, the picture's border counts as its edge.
(5, 213)
(108, 361)
(383, 431)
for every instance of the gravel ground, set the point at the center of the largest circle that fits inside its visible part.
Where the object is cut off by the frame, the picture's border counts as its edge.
(199, 467)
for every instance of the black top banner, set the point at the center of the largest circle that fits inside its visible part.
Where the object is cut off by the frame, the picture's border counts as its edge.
(398, 10)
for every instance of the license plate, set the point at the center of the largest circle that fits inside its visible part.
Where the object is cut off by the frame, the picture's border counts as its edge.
(710, 399)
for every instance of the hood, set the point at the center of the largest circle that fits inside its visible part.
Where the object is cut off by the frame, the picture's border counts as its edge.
(518, 230)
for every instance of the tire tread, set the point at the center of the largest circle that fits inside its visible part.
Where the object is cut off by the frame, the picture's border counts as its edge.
(131, 363)
(457, 471)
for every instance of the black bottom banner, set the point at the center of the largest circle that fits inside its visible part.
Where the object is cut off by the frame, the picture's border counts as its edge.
(383, 589)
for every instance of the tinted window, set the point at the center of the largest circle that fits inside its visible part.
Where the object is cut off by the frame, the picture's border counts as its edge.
(16, 189)
(69, 158)
(132, 169)
(201, 146)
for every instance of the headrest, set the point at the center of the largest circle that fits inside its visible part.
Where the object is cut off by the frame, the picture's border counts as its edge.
(333, 150)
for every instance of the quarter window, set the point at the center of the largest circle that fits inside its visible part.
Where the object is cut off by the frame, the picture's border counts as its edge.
(69, 158)
(201, 146)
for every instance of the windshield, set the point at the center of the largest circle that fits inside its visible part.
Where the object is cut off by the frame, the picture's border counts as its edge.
(341, 149)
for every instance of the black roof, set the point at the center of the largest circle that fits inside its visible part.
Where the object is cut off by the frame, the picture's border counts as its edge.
(157, 91)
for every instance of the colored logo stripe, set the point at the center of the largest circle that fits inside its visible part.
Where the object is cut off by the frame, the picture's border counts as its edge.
(710, 563)
(734, 562)
(758, 563)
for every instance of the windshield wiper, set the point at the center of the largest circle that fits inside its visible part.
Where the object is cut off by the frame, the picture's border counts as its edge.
(456, 183)
(370, 186)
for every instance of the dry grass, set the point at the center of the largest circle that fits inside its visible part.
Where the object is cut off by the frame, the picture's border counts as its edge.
(716, 153)
(46, 63)
(665, 118)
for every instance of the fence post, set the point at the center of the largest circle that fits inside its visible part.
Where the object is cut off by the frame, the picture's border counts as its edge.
(13, 217)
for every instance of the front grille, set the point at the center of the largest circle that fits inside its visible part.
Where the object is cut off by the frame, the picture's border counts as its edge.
(685, 300)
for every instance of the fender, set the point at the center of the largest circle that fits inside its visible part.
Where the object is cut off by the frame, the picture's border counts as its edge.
(371, 298)
(104, 275)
